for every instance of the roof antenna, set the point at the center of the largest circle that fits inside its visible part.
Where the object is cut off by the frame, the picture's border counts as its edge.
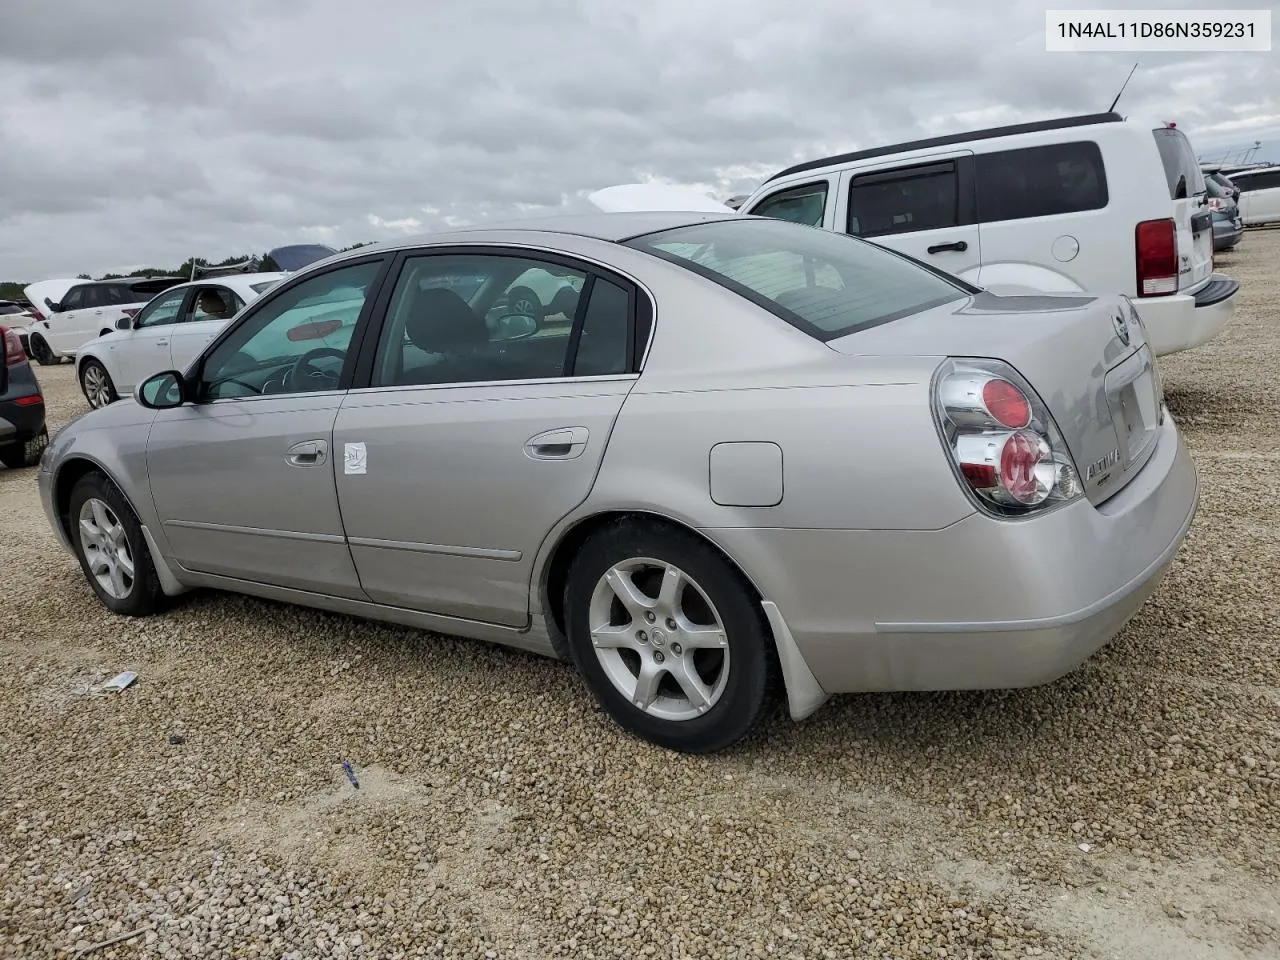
(1112, 108)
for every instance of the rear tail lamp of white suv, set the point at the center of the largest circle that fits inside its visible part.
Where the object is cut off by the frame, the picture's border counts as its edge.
(1156, 247)
(1004, 445)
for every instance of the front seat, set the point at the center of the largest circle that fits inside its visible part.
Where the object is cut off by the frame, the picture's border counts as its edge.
(440, 322)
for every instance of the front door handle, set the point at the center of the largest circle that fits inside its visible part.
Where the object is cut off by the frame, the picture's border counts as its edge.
(162, 343)
(564, 443)
(308, 453)
(960, 246)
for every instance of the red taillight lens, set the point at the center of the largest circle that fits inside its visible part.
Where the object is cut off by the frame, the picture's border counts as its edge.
(13, 352)
(1006, 404)
(1003, 441)
(1156, 246)
(32, 401)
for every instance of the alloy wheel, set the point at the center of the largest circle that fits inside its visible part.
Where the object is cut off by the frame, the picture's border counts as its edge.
(106, 548)
(97, 388)
(659, 639)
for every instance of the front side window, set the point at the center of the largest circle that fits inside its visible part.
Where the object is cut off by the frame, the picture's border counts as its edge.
(74, 299)
(1040, 181)
(824, 283)
(476, 318)
(297, 342)
(904, 201)
(805, 204)
(213, 303)
(161, 311)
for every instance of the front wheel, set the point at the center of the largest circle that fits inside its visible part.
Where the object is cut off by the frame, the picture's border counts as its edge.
(110, 547)
(668, 636)
(96, 384)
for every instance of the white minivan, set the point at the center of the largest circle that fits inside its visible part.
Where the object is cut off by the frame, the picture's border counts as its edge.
(1259, 195)
(1096, 204)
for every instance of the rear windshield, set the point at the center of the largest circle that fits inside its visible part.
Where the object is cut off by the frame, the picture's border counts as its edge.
(1181, 169)
(824, 283)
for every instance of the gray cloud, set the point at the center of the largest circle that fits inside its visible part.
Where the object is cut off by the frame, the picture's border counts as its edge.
(152, 130)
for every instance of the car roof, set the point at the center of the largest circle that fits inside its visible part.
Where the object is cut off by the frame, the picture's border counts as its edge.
(127, 280)
(245, 280)
(990, 133)
(612, 227)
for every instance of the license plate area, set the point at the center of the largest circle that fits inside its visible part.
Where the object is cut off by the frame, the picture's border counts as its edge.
(1135, 408)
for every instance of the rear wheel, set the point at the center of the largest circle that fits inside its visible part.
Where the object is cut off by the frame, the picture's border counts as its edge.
(668, 635)
(18, 456)
(41, 353)
(96, 384)
(110, 547)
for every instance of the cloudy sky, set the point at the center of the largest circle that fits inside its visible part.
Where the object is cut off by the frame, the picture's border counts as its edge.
(145, 131)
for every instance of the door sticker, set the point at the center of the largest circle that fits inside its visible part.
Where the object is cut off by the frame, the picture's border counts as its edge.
(354, 458)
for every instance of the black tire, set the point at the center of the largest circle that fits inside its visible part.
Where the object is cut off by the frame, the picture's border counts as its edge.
(526, 297)
(41, 353)
(144, 596)
(752, 661)
(110, 388)
(20, 456)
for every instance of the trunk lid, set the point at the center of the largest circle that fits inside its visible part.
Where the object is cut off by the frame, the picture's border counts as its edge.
(1085, 358)
(55, 290)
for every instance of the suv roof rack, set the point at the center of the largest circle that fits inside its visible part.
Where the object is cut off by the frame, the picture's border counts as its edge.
(1037, 126)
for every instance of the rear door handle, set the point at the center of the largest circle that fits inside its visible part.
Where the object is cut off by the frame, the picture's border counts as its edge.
(308, 453)
(960, 246)
(564, 443)
(162, 343)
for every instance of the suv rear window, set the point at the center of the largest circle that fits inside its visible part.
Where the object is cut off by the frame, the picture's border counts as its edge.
(1040, 181)
(1181, 169)
(824, 283)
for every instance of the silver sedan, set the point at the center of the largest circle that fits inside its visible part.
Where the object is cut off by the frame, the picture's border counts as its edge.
(742, 450)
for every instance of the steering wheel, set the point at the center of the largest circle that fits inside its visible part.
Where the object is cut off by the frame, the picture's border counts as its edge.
(303, 368)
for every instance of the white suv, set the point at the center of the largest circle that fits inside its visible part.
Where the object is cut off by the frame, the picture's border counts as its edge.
(1097, 204)
(87, 310)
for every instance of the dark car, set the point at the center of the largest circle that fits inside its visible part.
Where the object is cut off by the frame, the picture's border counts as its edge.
(23, 434)
(1222, 180)
(1227, 226)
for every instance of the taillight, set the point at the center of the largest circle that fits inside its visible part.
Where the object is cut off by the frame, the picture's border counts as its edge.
(1217, 203)
(1156, 246)
(13, 352)
(1003, 442)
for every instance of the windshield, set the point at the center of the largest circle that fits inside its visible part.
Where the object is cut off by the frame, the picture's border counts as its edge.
(824, 283)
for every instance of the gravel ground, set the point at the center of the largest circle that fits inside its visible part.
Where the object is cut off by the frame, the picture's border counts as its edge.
(1130, 810)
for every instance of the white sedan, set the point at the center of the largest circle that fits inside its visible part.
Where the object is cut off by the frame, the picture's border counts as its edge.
(166, 334)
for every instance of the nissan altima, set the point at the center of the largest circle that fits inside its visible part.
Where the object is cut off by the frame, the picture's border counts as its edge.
(755, 451)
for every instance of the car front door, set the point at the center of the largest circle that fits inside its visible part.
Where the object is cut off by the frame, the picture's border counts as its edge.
(925, 208)
(143, 349)
(210, 308)
(243, 477)
(477, 431)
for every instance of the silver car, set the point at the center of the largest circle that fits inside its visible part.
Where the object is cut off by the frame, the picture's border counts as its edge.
(754, 449)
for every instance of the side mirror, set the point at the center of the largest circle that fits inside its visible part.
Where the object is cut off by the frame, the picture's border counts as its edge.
(163, 391)
(515, 326)
(124, 323)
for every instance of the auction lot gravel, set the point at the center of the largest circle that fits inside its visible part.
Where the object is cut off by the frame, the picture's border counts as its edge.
(1131, 810)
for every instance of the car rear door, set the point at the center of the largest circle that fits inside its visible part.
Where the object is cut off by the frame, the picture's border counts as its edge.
(1259, 196)
(924, 207)
(1191, 213)
(475, 433)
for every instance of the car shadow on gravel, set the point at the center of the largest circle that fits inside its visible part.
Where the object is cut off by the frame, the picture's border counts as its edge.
(1198, 405)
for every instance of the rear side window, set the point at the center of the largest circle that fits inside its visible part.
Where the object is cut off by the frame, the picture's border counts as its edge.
(821, 282)
(904, 201)
(1181, 169)
(1040, 181)
(1257, 181)
(803, 204)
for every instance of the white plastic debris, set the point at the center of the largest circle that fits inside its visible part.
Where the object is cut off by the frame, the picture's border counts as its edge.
(119, 682)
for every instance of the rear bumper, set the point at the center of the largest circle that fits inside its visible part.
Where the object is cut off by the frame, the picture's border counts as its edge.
(20, 422)
(1226, 234)
(983, 603)
(1184, 321)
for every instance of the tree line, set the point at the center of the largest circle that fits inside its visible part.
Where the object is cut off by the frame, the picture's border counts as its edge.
(12, 289)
